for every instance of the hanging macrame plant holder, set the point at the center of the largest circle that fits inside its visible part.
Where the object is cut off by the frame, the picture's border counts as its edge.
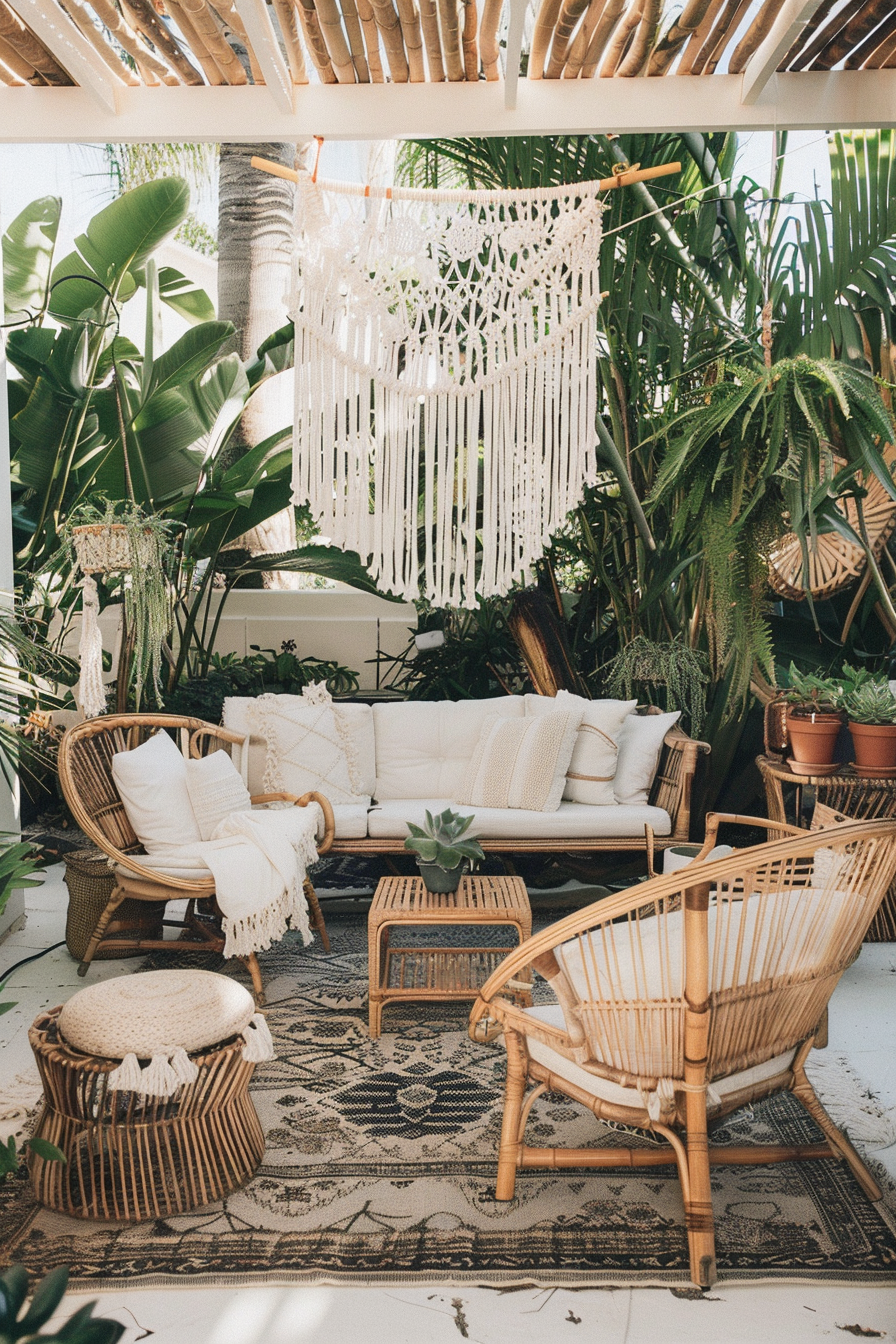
(445, 377)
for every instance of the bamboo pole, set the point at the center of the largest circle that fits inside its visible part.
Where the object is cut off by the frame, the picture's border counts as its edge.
(870, 54)
(581, 43)
(389, 25)
(371, 40)
(220, 50)
(603, 32)
(451, 39)
(620, 40)
(570, 14)
(315, 41)
(151, 26)
(27, 45)
(825, 34)
(409, 19)
(17, 65)
(757, 32)
(355, 40)
(545, 23)
(289, 30)
(883, 59)
(488, 38)
(85, 25)
(194, 41)
(468, 41)
(10, 79)
(675, 37)
(698, 37)
(805, 33)
(126, 35)
(233, 20)
(330, 21)
(710, 52)
(644, 40)
(855, 31)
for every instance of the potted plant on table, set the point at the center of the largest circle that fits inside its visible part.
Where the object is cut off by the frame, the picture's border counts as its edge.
(443, 855)
(814, 717)
(871, 710)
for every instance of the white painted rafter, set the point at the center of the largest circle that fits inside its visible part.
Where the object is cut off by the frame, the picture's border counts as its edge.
(71, 49)
(515, 28)
(260, 31)
(790, 22)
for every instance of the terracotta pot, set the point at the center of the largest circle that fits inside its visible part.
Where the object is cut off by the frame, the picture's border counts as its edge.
(813, 739)
(875, 745)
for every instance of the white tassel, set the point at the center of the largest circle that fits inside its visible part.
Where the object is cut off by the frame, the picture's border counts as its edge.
(183, 1067)
(127, 1077)
(91, 691)
(259, 1047)
(159, 1078)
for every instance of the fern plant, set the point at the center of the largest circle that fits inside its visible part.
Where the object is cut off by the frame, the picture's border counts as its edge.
(679, 672)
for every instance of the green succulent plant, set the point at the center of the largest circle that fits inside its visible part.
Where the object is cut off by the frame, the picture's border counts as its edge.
(873, 702)
(810, 693)
(440, 841)
(16, 1324)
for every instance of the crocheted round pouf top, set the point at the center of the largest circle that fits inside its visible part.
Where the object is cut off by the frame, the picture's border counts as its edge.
(152, 1012)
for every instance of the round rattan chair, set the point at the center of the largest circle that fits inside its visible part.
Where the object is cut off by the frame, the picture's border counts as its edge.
(85, 774)
(687, 997)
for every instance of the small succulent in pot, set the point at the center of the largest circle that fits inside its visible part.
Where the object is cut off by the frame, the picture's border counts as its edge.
(814, 716)
(443, 855)
(871, 708)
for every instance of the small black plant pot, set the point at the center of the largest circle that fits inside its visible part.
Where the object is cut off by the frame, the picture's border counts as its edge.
(441, 881)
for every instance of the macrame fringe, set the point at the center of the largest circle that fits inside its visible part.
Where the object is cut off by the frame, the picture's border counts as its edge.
(256, 932)
(91, 691)
(259, 1047)
(168, 1070)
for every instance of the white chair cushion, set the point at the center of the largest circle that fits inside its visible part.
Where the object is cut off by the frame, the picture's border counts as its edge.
(305, 749)
(592, 768)
(216, 791)
(640, 742)
(522, 763)
(606, 1090)
(152, 783)
(571, 821)
(424, 748)
(356, 722)
(154, 1013)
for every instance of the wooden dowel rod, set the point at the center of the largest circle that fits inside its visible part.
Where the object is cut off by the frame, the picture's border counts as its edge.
(605, 184)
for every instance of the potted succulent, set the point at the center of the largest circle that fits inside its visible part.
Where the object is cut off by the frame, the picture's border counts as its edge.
(443, 856)
(814, 717)
(871, 710)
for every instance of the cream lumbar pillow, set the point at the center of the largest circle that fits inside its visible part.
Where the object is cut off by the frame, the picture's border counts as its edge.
(216, 791)
(305, 748)
(152, 784)
(522, 763)
(592, 769)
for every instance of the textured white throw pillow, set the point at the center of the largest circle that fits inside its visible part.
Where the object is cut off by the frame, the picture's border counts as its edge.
(640, 743)
(216, 791)
(152, 784)
(305, 748)
(592, 769)
(522, 763)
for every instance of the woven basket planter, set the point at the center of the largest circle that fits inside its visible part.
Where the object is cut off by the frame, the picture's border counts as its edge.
(90, 883)
(104, 548)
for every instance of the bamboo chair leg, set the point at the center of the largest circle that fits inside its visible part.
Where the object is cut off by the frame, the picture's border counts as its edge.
(252, 966)
(511, 1139)
(96, 937)
(317, 915)
(805, 1093)
(698, 1197)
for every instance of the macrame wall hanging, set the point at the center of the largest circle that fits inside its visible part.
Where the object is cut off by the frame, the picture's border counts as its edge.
(445, 376)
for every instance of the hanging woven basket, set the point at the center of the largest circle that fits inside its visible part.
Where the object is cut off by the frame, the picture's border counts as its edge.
(105, 548)
(834, 561)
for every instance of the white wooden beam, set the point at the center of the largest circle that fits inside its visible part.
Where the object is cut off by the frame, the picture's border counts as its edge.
(515, 28)
(793, 17)
(71, 49)
(805, 100)
(260, 31)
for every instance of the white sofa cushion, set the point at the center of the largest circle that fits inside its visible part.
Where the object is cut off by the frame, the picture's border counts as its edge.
(424, 747)
(351, 824)
(571, 821)
(356, 721)
(216, 791)
(592, 768)
(305, 749)
(522, 763)
(606, 1090)
(640, 742)
(152, 783)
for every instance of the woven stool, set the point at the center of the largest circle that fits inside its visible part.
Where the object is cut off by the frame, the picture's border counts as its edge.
(146, 1091)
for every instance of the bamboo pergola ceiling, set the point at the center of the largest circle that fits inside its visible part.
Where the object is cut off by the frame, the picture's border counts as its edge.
(197, 42)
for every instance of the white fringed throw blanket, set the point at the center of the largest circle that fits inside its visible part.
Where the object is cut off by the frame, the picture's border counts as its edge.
(445, 355)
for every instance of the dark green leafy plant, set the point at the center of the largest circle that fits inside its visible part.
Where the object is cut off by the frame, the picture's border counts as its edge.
(809, 693)
(678, 672)
(441, 842)
(262, 672)
(478, 659)
(9, 1157)
(20, 1323)
(873, 702)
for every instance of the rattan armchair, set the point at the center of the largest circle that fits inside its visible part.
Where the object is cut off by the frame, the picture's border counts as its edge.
(685, 998)
(85, 774)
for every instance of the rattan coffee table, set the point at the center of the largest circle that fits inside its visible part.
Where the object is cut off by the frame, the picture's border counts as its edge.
(439, 973)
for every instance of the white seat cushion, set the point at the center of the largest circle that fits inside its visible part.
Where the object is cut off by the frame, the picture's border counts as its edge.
(152, 783)
(424, 748)
(571, 821)
(154, 1013)
(606, 1090)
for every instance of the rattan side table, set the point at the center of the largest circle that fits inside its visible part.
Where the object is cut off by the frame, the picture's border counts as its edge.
(846, 792)
(439, 973)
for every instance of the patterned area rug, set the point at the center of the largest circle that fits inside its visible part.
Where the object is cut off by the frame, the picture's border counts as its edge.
(380, 1168)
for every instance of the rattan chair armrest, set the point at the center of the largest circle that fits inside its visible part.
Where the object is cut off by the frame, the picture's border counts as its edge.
(303, 801)
(219, 734)
(132, 863)
(716, 819)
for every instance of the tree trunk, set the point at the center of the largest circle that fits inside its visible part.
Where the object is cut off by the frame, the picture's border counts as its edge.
(255, 234)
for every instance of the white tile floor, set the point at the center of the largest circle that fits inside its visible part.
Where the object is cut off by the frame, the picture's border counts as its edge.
(862, 1020)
